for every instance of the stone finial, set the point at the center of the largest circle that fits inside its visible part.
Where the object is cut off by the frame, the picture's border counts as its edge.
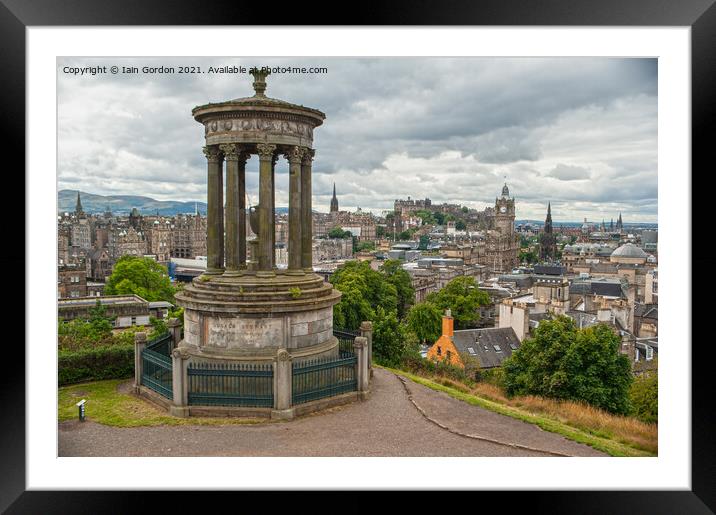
(140, 337)
(366, 325)
(283, 355)
(173, 322)
(448, 312)
(260, 75)
(360, 342)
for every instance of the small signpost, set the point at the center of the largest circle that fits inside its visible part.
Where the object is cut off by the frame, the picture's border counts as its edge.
(81, 406)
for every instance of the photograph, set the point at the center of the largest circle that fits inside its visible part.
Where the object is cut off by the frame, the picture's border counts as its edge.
(358, 256)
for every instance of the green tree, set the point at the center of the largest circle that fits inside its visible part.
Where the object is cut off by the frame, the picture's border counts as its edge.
(424, 242)
(99, 324)
(365, 246)
(424, 321)
(564, 362)
(644, 397)
(394, 273)
(405, 235)
(379, 231)
(363, 290)
(439, 217)
(463, 297)
(140, 276)
(426, 217)
(528, 256)
(460, 225)
(389, 338)
(338, 233)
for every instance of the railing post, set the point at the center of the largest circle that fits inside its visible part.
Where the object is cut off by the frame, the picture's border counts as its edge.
(282, 386)
(360, 346)
(175, 330)
(140, 342)
(366, 331)
(179, 407)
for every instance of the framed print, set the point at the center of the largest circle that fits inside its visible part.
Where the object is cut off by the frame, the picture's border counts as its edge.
(579, 116)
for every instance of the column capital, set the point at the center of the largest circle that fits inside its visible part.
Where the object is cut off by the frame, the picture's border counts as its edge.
(212, 153)
(308, 156)
(265, 151)
(294, 155)
(231, 151)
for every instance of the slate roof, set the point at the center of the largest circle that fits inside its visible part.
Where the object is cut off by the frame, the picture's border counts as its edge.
(550, 270)
(647, 311)
(491, 346)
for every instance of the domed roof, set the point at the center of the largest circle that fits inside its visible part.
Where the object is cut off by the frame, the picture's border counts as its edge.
(629, 250)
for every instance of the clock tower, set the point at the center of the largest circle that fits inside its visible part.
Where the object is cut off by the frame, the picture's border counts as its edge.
(505, 212)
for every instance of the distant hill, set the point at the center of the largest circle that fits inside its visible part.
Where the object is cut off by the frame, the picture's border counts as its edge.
(123, 204)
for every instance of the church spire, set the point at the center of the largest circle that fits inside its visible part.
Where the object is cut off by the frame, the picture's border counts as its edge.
(334, 200)
(78, 206)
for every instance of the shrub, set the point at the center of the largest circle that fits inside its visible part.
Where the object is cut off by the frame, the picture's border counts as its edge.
(103, 362)
(644, 397)
(564, 362)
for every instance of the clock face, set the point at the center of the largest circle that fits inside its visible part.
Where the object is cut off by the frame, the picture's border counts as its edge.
(503, 209)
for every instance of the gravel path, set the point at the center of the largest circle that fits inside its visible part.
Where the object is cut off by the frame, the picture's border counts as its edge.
(398, 420)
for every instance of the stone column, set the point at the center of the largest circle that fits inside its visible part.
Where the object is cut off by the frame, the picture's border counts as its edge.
(306, 212)
(140, 342)
(273, 210)
(215, 212)
(242, 209)
(231, 155)
(282, 385)
(175, 330)
(266, 210)
(366, 330)
(360, 346)
(180, 401)
(294, 157)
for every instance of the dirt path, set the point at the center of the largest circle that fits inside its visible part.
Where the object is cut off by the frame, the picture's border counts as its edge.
(398, 420)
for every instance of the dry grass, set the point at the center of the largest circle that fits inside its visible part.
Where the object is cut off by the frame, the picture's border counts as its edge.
(627, 430)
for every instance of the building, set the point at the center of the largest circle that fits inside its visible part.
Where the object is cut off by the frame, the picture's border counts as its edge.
(71, 281)
(334, 200)
(502, 245)
(473, 349)
(651, 287)
(548, 240)
(127, 310)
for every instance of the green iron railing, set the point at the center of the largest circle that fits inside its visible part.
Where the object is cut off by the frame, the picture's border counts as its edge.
(157, 370)
(345, 341)
(230, 384)
(162, 344)
(319, 378)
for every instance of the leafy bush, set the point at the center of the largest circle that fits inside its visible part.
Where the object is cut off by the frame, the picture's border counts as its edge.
(564, 362)
(422, 366)
(103, 362)
(644, 397)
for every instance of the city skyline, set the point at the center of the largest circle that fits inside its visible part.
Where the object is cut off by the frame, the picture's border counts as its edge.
(579, 133)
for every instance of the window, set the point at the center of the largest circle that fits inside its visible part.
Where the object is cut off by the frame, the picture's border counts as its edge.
(649, 353)
(134, 320)
(440, 351)
(497, 348)
(449, 355)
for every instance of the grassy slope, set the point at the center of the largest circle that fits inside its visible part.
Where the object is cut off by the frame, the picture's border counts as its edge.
(597, 441)
(108, 406)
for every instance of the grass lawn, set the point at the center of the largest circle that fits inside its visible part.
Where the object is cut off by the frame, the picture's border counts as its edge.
(107, 405)
(597, 437)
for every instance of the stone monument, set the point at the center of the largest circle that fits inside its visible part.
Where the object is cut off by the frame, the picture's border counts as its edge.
(244, 310)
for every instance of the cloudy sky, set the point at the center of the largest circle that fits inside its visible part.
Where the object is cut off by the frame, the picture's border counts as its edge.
(579, 132)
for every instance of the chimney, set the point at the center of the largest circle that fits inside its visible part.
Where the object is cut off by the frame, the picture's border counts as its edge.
(448, 324)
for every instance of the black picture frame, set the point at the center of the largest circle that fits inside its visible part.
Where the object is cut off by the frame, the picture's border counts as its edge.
(700, 15)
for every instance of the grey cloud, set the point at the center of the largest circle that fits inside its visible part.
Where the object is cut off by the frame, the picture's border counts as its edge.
(389, 124)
